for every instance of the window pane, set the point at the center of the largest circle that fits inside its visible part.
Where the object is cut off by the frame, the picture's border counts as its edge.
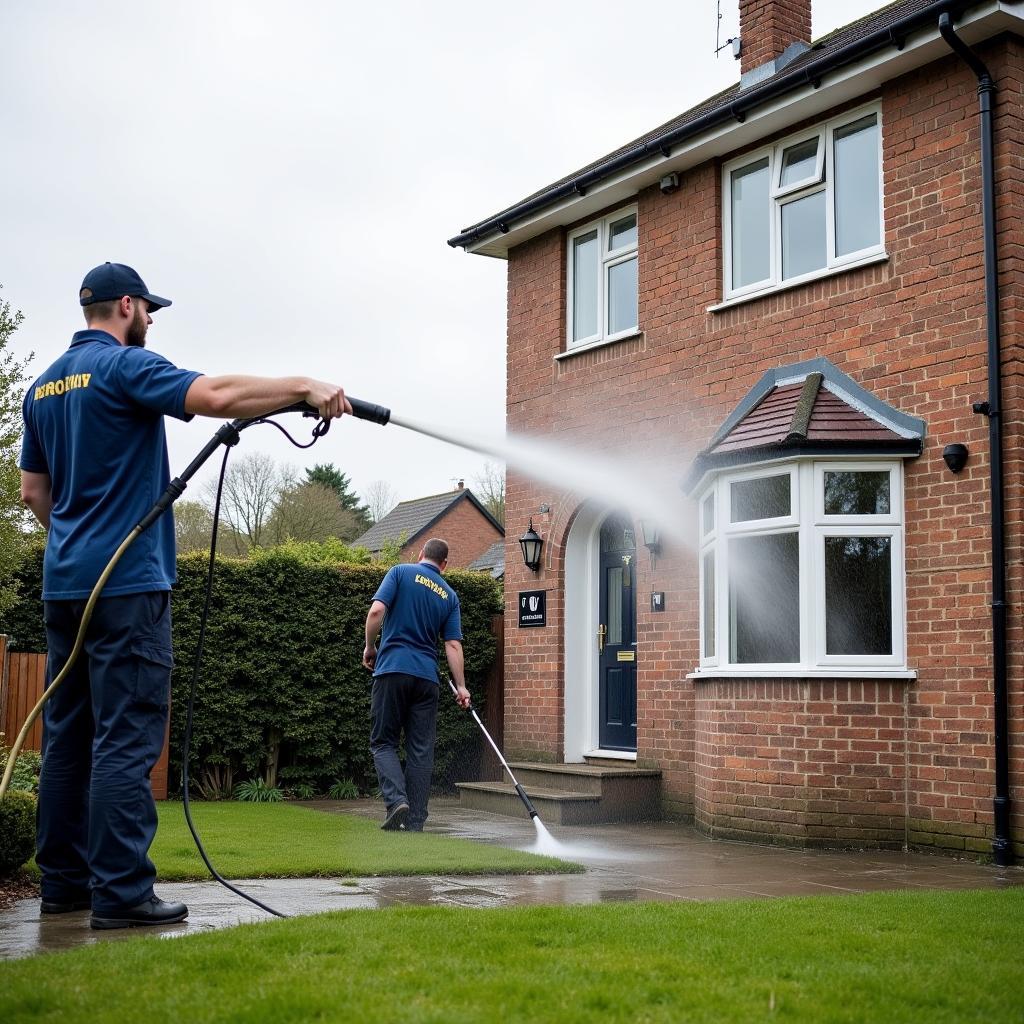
(622, 233)
(858, 595)
(766, 497)
(857, 494)
(614, 606)
(709, 605)
(622, 308)
(799, 162)
(856, 186)
(751, 219)
(584, 286)
(707, 512)
(764, 599)
(803, 235)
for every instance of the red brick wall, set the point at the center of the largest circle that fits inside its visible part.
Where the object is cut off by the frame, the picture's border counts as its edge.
(468, 533)
(911, 331)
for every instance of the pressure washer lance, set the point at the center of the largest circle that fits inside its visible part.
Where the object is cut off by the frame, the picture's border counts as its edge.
(515, 782)
(227, 434)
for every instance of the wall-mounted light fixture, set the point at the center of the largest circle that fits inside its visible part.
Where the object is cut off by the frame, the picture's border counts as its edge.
(652, 539)
(955, 457)
(531, 542)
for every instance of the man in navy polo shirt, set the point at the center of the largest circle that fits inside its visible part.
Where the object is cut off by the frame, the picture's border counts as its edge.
(93, 462)
(418, 607)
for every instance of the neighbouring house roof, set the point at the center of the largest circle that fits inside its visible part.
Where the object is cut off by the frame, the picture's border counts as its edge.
(901, 36)
(492, 560)
(808, 408)
(407, 520)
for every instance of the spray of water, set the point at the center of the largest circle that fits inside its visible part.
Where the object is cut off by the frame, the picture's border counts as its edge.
(638, 484)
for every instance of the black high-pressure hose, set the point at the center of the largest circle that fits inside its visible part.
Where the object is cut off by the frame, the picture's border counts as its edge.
(228, 435)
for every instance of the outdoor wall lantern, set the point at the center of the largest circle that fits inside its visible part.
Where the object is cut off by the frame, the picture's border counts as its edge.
(955, 456)
(531, 542)
(652, 539)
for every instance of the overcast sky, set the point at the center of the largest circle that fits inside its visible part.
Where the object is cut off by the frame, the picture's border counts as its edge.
(288, 175)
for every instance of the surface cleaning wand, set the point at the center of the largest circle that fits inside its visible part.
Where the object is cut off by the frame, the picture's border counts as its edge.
(515, 782)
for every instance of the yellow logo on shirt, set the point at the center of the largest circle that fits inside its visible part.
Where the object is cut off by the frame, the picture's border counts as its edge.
(428, 582)
(59, 387)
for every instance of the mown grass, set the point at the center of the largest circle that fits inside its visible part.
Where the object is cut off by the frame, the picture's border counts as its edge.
(284, 841)
(933, 957)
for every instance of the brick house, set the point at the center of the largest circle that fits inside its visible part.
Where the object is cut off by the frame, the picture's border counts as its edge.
(456, 516)
(785, 289)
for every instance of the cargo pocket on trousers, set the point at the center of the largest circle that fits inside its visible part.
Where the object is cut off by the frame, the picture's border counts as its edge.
(153, 664)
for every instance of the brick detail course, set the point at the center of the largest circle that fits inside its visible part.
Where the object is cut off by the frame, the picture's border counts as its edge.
(912, 331)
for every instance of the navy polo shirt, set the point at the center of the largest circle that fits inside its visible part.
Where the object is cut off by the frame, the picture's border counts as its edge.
(421, 607)
(94, 423)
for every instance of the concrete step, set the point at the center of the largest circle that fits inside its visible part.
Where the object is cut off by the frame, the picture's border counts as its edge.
(571, 794)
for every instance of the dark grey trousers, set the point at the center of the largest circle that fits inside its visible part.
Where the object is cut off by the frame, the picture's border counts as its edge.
(406, 704)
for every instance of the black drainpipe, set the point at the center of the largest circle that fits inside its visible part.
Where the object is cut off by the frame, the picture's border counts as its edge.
(1002, 850)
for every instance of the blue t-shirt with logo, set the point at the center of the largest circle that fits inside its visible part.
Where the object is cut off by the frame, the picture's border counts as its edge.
(94, 423)
(421, 607)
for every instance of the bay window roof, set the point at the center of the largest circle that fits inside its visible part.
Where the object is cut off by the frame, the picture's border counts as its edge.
(808, 408)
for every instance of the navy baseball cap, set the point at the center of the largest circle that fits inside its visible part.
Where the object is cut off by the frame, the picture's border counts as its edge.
(112, 281)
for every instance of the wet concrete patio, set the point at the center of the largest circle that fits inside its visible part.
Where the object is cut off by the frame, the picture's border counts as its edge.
(659, 861)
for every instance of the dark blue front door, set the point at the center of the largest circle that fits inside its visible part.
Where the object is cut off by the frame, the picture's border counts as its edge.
(617, 636)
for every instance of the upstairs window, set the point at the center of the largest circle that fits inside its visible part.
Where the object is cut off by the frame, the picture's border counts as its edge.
(808, 206)
(603, 280)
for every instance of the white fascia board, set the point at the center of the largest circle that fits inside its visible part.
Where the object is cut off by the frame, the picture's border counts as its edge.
(852, 82)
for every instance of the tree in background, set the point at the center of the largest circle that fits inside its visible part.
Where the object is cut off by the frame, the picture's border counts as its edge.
(328, 475)
(490, 489)
(252, 485)
(381, 498)
(193, 525)
(310, 512)
(15, 528)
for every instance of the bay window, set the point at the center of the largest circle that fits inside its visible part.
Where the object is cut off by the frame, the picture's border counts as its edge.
(801, 568)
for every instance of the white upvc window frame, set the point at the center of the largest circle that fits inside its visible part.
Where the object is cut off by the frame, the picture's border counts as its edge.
(779, 196)
(808, 520)
(606, 261)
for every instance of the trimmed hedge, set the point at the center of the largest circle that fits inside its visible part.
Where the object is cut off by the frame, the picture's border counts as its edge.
(282, 675)
(17, 830)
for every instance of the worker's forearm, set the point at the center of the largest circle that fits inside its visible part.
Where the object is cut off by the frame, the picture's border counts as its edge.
(40, 507)
(237, 395)
(373, 621)
(456, 665)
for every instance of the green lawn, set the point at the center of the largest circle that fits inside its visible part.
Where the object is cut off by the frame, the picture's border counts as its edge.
(892, 957)
(283, 841)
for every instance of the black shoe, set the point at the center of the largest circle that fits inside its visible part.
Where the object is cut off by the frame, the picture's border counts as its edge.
(395, 821)
(151, 911)
(64, 906)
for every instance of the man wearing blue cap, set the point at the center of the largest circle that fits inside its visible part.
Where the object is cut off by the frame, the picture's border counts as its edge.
(93, 462)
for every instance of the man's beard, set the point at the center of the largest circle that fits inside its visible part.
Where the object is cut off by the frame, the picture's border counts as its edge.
(136, 335)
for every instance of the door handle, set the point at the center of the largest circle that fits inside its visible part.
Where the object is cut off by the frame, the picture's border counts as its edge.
(602, 632)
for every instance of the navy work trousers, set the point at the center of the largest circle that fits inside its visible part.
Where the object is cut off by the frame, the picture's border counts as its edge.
(103, 731)
(403, 703)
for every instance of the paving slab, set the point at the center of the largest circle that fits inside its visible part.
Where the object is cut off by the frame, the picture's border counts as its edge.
(655, 861)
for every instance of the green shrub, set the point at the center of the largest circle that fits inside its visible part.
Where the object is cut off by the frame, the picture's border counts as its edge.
(256, 791)
(282, 692)
(17, 830)
(25, 776)
(302, 791)
(343, 789)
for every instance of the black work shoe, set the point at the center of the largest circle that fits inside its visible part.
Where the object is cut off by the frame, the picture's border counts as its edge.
(148, 912)
(64, 906)
(395, 821)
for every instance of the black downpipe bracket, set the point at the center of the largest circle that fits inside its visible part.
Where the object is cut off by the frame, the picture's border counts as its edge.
(1002, 848)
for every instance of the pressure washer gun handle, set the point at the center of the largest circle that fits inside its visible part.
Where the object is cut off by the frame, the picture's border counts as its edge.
(455, 694)
(360, 409)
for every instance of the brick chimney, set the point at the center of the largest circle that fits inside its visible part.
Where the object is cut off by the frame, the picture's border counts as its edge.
(772, 33)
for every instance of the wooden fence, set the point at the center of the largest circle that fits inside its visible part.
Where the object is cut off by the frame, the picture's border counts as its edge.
(22, 682)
